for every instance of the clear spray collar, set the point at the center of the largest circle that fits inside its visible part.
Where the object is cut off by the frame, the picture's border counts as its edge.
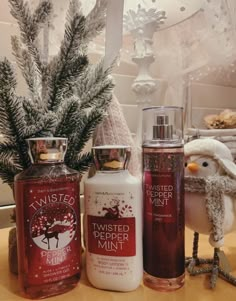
(163, 125)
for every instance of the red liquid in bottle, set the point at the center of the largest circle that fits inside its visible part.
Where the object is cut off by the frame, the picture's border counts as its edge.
(163, 242)
(48, 229)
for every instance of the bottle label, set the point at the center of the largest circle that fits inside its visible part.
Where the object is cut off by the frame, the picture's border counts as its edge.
(52, 229)
(111, 228)
(111, 236)
(113, 231)
(161, 186)
(163, 189)
(160, 194)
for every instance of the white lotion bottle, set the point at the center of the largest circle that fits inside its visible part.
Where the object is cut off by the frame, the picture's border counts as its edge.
(113, 222)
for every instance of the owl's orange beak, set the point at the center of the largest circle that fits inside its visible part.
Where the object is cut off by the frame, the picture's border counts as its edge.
(193, 167)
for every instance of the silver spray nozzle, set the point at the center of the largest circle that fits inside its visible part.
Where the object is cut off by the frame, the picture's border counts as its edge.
(162, 129)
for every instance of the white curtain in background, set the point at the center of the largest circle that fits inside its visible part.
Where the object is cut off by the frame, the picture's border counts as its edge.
(200, 48)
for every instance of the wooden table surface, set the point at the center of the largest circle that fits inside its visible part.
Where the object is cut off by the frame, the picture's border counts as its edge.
(196, 288)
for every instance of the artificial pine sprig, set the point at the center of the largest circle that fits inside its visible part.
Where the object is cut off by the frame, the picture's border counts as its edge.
(41, 15)
(83, 162)
(91, 84)
(12, 121)
(8, 166)
(98, 95)
(69, 117)
(29, 69)
(61, 82)
(84, 130)
(21, 12)
(68, 96)
(70, 61)
(44, 126)
(7, 151)
(95, 20)
(30, 25)
(8, 171)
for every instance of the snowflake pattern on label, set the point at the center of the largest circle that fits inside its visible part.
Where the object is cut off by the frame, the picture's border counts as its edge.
(53, 226)
(110, 205)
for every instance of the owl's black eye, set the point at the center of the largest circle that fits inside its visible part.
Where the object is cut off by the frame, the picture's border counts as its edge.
(185, 164)
(205, 164)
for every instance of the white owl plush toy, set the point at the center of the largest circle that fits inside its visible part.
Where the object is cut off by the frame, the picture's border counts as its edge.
(210, 201)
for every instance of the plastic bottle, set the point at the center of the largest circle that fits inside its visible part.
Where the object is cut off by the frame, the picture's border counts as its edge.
(163, 190)
(48, 221)
(113, 219)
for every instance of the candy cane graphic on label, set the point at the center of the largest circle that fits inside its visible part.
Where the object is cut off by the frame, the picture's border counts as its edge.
(39, 225)
(70, 218)
(126, 210)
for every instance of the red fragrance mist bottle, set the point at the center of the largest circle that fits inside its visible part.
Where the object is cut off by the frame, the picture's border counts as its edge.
(48, 221)
(163, 192)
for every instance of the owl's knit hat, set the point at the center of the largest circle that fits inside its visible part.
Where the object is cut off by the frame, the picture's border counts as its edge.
(215, 149)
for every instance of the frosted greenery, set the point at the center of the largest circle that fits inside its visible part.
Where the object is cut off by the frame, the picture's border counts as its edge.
(68, 96)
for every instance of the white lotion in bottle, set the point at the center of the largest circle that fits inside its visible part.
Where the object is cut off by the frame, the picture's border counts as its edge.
(113, 220)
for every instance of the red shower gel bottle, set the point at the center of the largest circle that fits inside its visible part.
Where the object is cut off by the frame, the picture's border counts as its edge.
(48, 221)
